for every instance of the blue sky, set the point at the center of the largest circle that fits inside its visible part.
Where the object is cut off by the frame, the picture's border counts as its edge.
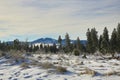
(32, 19)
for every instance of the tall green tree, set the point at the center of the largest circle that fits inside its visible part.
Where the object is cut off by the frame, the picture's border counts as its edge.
(60, 42)
(105, 41)
(78, 45)
(89, 42)
(118, 37)
(16, 44)
(94, 38)
(67, 43)
(99, 43)
(113, 42)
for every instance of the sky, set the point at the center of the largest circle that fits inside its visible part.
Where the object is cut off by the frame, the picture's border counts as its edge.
(33, 19)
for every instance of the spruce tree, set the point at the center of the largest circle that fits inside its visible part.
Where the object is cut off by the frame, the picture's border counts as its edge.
(99, 43)
(60, 42)
(54, 48)
(16, 44)
(89, 42)
(118, 37)
(78, 45)
(113, 42)
(105, 41)
(94, 38)
(67, 43)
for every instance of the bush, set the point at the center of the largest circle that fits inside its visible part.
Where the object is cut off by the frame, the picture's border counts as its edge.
(76, 52)
(2, 54)
(24, 65)
(17, 56)
(61, 69)
(89, 71)
(110, 73)
(47, 65)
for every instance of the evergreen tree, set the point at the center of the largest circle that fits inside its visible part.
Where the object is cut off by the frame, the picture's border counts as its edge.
(118, 38)
(46, 49)
(78, 45)
(94, 38)
(16, 44)
(105, 42)
(113, 42)
(60, 42)
(99, 43)
(54, 48)
(89, 42)
(41, 46)
(67, 43)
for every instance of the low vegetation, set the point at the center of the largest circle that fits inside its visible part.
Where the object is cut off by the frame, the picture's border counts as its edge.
(61, 69)
(46, 65)
(24, 65)
(89, 72)
(76, 52)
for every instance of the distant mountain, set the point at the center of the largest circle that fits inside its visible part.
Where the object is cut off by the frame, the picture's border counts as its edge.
(45, 40)
(51, 41)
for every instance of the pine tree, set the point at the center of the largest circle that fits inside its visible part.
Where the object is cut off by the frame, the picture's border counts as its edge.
(89, 42)
(99, 43)
(16, 44)
(118, 37)
(94, 38)
(41, 46)
(67, 43)
(113, 42)
(105, 41)
(78, 45)
(54, 48)
(60, 42)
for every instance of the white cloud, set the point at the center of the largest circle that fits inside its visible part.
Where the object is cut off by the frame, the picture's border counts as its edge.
(50, 17)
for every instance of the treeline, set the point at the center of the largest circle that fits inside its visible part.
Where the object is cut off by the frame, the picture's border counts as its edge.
(27, 47)
(103, 44)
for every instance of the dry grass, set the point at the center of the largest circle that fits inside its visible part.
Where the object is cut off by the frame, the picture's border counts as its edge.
(2, 53)
(116, 64)
(24, 65)
(39, 57)
(46, 65)
(89, 72)
(61, 69)
(110, 73)
(17, 55)
(101, 66)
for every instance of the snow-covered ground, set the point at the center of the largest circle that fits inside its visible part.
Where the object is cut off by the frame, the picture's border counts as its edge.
(92, 68)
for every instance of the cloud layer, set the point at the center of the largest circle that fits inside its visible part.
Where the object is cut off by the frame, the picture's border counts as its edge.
(49, 18)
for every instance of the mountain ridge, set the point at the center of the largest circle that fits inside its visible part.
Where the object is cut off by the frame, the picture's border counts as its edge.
(52, 40)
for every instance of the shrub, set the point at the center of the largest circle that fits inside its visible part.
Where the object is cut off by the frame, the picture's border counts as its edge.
(61, 69)
(84, 56)
(90, 72)
(24, 65)
(76, 52)
(39, 57)
(47, 65)
(2, 54)
(17, 55)
(109, 73)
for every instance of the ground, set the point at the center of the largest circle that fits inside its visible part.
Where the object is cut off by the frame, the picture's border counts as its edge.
(92, 68)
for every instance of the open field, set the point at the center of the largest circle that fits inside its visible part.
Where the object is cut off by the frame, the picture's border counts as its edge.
(60, 67)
